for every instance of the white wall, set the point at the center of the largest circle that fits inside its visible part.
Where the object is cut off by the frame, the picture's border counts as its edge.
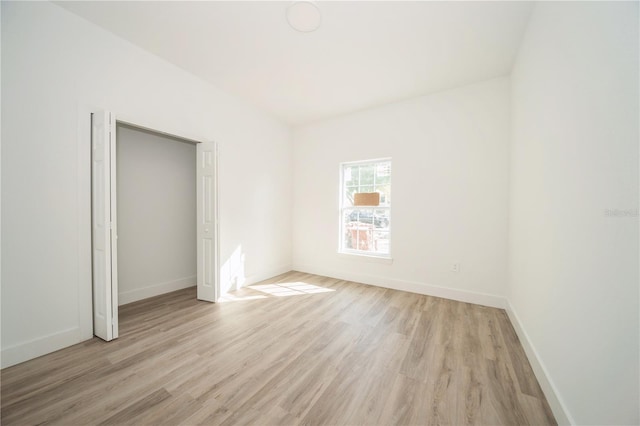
(1, 209)
(573, 276)
(449, 186)
(156, 201)
(56, 68)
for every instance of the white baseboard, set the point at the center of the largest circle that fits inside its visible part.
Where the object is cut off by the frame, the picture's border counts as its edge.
(156, 290)
(466, 296)
(37, 347)
(559, 409)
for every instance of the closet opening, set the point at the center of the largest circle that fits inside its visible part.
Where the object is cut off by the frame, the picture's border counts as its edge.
(156, 208)
(154, 217)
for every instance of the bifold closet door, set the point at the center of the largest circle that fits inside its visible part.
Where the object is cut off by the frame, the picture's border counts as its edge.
(207, 228)
(103, 223)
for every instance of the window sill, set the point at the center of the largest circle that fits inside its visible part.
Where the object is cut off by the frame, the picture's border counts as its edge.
(366, 258)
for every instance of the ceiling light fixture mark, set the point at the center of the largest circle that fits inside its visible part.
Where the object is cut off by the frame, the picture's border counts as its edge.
(304, 16)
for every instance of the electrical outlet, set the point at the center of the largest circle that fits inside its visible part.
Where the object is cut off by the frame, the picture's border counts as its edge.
(455, 267)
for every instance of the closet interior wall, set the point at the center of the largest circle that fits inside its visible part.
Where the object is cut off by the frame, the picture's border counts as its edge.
(156, 205)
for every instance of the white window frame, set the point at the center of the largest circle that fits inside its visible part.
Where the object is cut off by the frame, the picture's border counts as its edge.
(342, 207)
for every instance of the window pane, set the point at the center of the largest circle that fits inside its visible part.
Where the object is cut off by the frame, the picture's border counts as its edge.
(351, 175)
(348, 196)
(381, 219)
(380, 242)
(366, 175)
(361, 216)
(383, 170)
(385, 194)
(359, 235)
(366, 230)
(358, 230)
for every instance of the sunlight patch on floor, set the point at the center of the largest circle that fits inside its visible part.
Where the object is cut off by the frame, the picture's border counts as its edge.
(233, 298)
(289, 289)
(264, 291)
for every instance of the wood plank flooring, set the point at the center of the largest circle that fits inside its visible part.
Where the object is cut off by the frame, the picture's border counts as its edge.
(296, 349)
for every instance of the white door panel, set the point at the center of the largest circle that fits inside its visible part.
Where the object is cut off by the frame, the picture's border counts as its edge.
(103, 221)
(207, 228)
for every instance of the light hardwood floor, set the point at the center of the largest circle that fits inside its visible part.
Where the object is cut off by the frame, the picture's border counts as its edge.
(296, 349)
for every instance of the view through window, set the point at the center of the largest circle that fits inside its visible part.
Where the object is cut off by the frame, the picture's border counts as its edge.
(365, 227)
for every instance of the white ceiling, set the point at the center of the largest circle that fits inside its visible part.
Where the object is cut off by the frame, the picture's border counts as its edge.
(363, 54)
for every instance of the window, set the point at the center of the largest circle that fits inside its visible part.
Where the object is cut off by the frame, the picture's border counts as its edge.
(365, 207)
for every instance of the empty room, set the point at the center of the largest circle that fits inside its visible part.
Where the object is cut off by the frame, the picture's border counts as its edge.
(321, 213)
